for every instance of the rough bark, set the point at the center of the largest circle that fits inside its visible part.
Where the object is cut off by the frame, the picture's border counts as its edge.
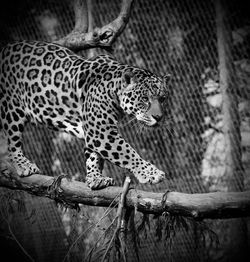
(228, 86)
(199, 206)
(81, 38)
(231, 126)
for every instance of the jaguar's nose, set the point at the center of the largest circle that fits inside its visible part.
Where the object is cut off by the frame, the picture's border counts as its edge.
(158, 117)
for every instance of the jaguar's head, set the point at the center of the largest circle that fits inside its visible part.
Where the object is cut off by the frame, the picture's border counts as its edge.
(145, 96)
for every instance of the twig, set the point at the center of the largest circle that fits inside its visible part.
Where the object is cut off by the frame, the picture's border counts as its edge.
(18, 243)
(87, 229)
(112, 222)
(119, 216)
(122, 200)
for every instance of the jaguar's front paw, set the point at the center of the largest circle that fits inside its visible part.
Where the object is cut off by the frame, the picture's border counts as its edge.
(99, 182)
(149, 174)
(26, 169)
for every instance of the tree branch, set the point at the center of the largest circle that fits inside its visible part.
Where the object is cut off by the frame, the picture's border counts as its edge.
(199, 206)
(81, 16)
(104, 37)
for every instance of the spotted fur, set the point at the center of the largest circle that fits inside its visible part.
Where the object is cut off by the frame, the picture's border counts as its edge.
(47, 84)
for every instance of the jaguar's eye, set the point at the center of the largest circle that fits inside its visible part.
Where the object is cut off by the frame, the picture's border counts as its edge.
(145, 99)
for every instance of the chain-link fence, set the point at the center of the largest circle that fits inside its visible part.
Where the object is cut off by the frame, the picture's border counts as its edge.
(177, 37)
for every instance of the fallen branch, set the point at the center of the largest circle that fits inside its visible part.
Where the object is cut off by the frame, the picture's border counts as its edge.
(199, 206)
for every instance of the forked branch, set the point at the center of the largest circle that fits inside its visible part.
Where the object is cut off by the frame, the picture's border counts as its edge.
(80, 38)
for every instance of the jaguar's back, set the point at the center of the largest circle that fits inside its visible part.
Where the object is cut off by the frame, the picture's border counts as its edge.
(48, 84)
(38, 79)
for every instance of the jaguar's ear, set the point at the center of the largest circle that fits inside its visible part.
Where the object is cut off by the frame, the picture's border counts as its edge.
(128, 78)
(166, 79)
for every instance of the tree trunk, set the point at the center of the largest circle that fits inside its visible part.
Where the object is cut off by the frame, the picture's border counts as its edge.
(231, 126)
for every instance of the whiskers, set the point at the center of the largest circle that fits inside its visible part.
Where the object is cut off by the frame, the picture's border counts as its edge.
(126, 123)
(168, 125)
(140, 127)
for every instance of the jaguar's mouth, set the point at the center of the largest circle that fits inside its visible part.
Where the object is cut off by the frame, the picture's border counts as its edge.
(157, 124)
(153, 123)
(149, 124)
(150, 120)
(146, 120)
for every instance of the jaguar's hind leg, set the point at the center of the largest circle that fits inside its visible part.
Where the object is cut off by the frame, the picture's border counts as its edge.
(94, 178)
(13, 131)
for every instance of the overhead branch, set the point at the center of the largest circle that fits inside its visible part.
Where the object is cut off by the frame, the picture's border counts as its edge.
(81, 16)
(104, 37)
(216, 205)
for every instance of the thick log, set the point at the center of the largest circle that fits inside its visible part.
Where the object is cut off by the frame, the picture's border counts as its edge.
(217, 205)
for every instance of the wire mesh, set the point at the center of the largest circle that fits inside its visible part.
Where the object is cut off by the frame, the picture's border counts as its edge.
(177, 37)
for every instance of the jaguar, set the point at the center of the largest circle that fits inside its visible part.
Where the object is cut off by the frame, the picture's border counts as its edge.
(48, 84)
